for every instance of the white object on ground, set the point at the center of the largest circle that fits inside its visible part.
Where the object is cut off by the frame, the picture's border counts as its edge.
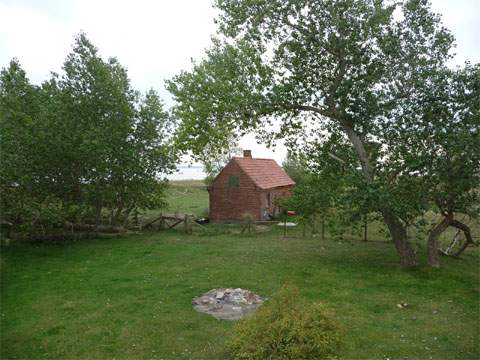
(288, 224)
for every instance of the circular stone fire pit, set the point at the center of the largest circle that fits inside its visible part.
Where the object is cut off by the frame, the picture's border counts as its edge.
(227, 304)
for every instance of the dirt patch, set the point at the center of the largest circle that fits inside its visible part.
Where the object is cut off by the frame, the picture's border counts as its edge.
(262, 228)
(227, 303)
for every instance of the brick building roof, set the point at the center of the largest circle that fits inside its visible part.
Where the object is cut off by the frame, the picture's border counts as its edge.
(265, 173)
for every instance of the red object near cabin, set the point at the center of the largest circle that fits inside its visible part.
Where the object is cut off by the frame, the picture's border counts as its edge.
(248, 185)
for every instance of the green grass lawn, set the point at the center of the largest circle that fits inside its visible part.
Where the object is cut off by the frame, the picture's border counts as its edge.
(130, 297)
(189, 197)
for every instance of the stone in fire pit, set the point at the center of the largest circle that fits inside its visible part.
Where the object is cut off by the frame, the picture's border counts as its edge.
(227, 304)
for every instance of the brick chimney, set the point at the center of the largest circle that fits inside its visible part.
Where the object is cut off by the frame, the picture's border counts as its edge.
(247, 154)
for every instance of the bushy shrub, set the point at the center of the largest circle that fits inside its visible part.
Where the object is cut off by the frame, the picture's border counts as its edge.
(286, 327)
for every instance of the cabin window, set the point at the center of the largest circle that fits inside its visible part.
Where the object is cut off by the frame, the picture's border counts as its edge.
(233, 181)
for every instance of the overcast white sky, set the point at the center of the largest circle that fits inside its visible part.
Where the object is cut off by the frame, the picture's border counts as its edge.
(155, 39)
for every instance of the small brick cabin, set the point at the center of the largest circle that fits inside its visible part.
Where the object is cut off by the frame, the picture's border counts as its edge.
(248, 185)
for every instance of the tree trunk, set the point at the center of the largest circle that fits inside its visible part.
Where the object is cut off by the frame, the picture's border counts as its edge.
(111, 217)
(397, 230)
(433, 256)
(365, 228)
(314, 224)
(98, 215)
(367, 168)
(118, 213)
(135, 217)
(468, 236)
(126, 215)
(323, 228)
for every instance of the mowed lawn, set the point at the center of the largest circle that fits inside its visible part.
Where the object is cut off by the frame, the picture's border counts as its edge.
(130, 297)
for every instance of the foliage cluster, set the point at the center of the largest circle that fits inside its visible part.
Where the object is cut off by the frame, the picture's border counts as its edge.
(214, 159)
(80, 145)
(287, 327)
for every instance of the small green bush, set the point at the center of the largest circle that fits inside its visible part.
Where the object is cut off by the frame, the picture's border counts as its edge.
(286, 327)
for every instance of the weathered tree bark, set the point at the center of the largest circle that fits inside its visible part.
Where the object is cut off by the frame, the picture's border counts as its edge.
(314, 224)
(323, 227)
(135, 217)
(98, 215)
(432, 247)
(468, 237)
(110, 221)
(367, 168)
(126, 215)
(118, 213)
(398, 231)
(365, 228)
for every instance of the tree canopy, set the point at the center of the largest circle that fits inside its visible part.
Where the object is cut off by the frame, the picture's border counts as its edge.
(81, 143)
(340, 72)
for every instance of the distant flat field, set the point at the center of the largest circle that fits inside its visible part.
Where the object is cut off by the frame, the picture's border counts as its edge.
(185, 197)
(130, 297)
(189, 196)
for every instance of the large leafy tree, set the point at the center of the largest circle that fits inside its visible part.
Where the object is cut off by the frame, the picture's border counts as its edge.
(441, 148)
(310, 68)
(20, 184)
(81, 143)
(146, 155)
(98, 107)
(122, 138)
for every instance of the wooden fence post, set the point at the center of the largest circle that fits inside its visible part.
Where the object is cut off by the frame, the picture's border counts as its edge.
(365, 230)
(314, 224)
(323, 228)
(135, 217)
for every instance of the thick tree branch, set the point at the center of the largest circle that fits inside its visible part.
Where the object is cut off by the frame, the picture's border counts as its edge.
(367, 168)
(435, 233)
(317, 110)
(468, 235)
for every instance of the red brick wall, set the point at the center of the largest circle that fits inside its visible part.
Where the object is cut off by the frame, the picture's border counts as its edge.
(230, 203)
(275, 193)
